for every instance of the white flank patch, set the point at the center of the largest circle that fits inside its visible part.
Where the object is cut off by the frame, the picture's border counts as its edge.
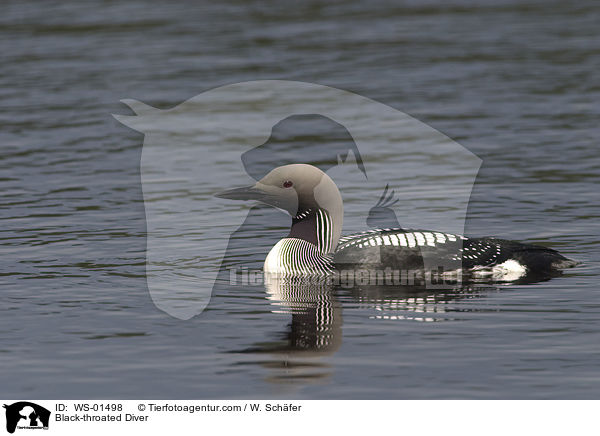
(508, 271)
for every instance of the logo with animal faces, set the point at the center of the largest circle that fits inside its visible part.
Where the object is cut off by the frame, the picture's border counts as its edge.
(24, 415)
(391, 170)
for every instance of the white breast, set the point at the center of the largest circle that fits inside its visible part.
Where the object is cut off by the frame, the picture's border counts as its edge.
(273, 262)
(292, 256)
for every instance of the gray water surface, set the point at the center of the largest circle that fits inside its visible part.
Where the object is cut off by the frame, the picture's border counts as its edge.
(516, 83)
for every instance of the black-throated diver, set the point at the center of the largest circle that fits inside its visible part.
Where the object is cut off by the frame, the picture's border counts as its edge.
(315, 246)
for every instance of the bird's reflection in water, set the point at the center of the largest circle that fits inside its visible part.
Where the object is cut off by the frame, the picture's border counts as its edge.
(415, 303)
(316, 313)
(315, 330)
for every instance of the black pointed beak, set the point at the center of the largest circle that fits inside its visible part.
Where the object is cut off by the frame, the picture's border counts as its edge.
(244, 193)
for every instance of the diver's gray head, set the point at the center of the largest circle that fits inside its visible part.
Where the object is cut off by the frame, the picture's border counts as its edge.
(296, 189)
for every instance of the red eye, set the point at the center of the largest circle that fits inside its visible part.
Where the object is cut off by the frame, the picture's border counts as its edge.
(287, 184)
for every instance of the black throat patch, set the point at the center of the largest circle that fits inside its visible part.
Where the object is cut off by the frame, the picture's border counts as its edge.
(304, 226)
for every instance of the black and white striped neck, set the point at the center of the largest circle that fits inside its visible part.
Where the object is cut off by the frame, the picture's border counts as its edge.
(308, 249)
(314, 225)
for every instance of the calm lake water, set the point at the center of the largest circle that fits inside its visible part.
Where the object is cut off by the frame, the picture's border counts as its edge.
(514, 82)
